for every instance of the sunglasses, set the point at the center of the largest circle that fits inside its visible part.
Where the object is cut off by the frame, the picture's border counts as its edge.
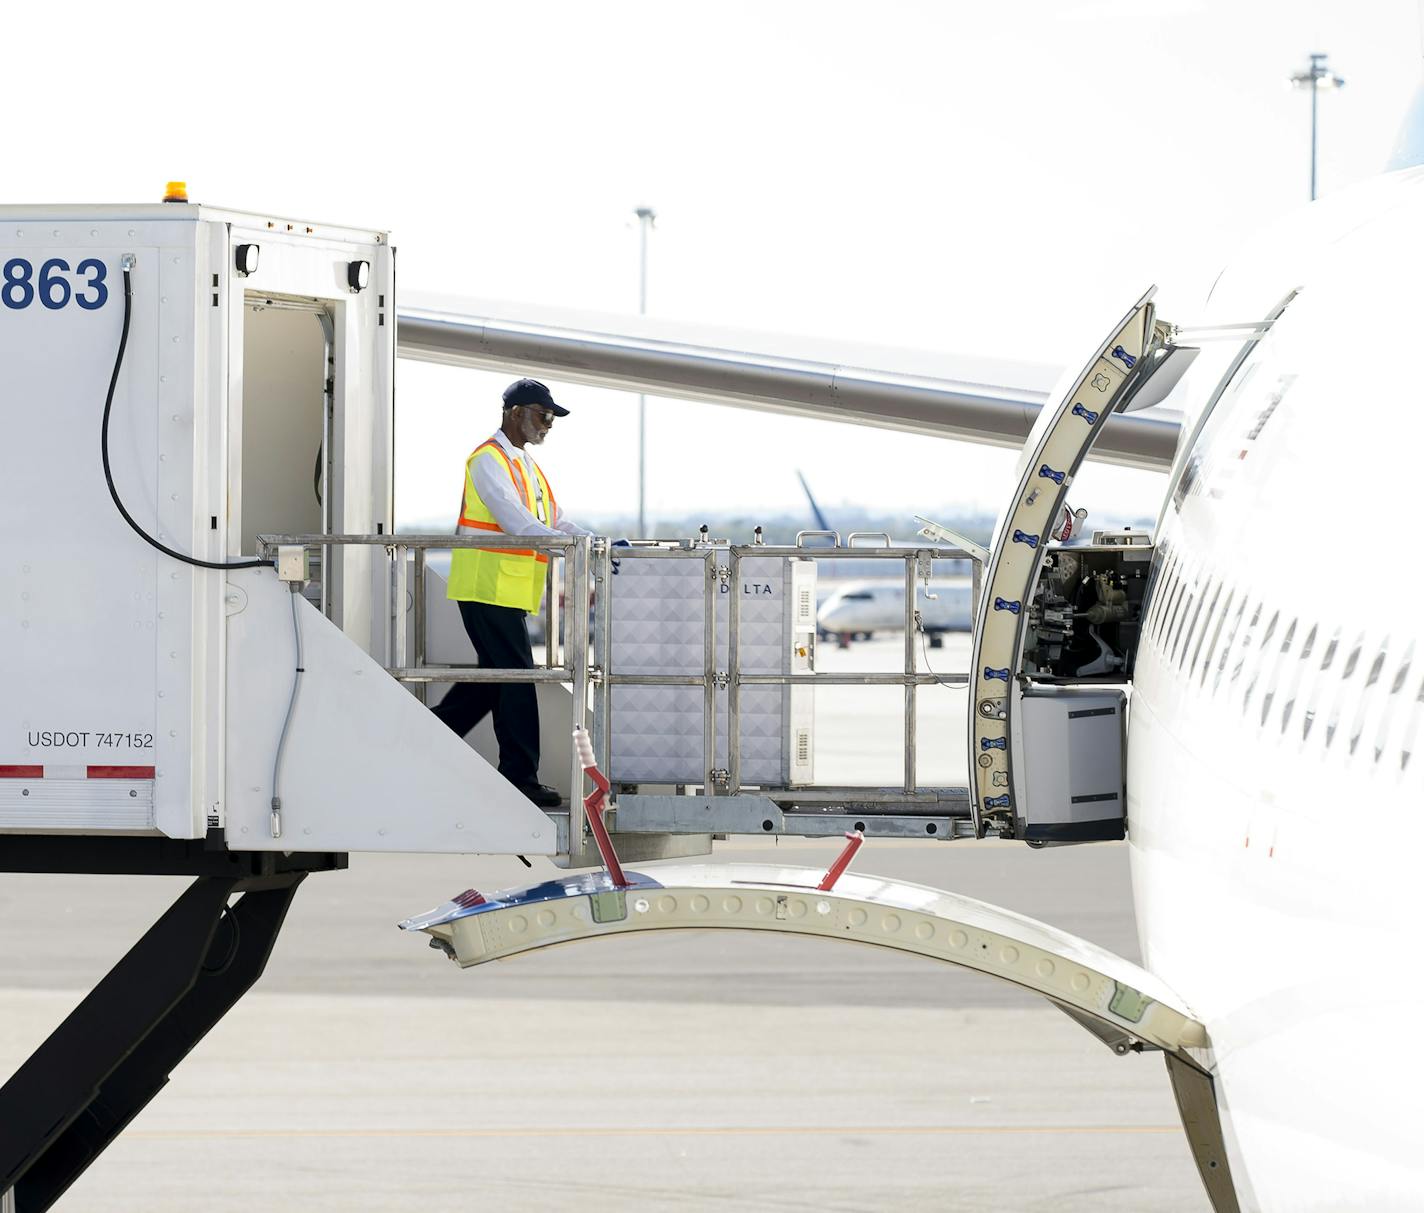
(543, 414)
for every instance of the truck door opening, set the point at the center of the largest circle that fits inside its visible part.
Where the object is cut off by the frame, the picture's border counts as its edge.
(282, 484)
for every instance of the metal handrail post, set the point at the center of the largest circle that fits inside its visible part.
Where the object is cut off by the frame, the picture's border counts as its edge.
(603, 691)
(577, 653)
(709, 659)
(911, 689)
(400, 650)
(328, 407)
(566, 572)
(551, 614)
(734, 674)
(422, 690)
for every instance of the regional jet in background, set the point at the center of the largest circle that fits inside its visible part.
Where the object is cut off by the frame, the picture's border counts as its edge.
(874, 601)
(860, 609)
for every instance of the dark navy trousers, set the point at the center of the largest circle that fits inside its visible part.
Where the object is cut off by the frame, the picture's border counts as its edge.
(501, 639)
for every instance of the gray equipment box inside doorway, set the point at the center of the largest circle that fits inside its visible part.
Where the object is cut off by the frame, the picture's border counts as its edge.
(1074, 764)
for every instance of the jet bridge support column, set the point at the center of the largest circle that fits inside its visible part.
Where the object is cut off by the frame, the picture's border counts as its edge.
(115, 1051)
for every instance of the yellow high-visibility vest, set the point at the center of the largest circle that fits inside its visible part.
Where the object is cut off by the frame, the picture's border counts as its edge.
(512, 577)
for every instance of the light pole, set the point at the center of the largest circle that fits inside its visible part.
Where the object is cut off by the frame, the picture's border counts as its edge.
(646, 217)
(1315, 77)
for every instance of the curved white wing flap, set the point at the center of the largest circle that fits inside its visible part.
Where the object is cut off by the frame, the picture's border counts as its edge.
(1121, 1003)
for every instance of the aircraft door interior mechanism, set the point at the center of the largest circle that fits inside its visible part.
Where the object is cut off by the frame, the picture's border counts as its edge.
(1057, 626)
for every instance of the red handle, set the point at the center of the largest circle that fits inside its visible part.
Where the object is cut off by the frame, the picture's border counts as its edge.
(837, 869)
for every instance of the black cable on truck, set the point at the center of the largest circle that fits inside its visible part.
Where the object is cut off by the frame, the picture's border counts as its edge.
(108, 473)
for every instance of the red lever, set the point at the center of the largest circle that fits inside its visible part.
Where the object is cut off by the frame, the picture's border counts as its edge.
(593, 805)
(828, 882)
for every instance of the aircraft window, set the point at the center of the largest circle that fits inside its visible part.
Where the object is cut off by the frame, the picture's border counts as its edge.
(1164, 594)
(1206, 626)
(1301, 659)
(1152, 597)
(1171, 614)
(1339, 700)
(1260, 662)
(1403, 672)
(1390, 716)
(1230, 640)
(1216, 635)
(860, 596)
(1270, 695)
(1190, 619)
(1191, 628)
(1406, 746)
(1174, 583)
(1246, 642)
(1270, 630)
(1357, 730)
(1351, 662)
(1180, 605)
(1180, 626)
(1308, 718)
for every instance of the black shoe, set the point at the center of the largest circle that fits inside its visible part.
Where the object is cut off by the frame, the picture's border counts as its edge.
(542, 795)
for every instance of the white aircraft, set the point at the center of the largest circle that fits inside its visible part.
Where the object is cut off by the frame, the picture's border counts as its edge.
(1276, 708)
(1278, 697)
(862, 608)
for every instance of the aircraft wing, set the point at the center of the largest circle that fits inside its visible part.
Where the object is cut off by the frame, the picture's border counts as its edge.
(940, 395)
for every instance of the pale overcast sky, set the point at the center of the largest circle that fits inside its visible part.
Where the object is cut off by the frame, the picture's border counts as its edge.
(966, 178)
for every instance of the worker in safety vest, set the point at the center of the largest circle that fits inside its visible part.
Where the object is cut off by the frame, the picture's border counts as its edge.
(506, 493)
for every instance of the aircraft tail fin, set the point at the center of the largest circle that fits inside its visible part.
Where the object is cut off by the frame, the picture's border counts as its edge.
(821, 522)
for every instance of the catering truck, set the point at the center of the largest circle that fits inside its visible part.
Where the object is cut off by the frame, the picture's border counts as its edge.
(180, 380)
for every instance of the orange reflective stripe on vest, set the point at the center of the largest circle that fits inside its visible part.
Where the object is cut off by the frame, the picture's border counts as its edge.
(511, 577)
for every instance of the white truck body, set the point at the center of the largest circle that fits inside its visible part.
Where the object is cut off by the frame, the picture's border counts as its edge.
(144, 695)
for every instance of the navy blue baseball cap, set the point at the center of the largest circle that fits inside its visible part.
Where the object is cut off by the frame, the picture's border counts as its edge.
(531, 391)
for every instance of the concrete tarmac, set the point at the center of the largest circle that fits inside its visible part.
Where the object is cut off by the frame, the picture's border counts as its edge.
(691, 1071)
(706, 1070)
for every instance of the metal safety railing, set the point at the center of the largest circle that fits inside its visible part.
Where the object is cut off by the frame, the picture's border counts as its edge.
(407, 616)
(727, 781)
(570, 658)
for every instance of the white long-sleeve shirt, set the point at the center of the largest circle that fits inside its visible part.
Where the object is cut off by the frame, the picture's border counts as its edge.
(502, 499)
